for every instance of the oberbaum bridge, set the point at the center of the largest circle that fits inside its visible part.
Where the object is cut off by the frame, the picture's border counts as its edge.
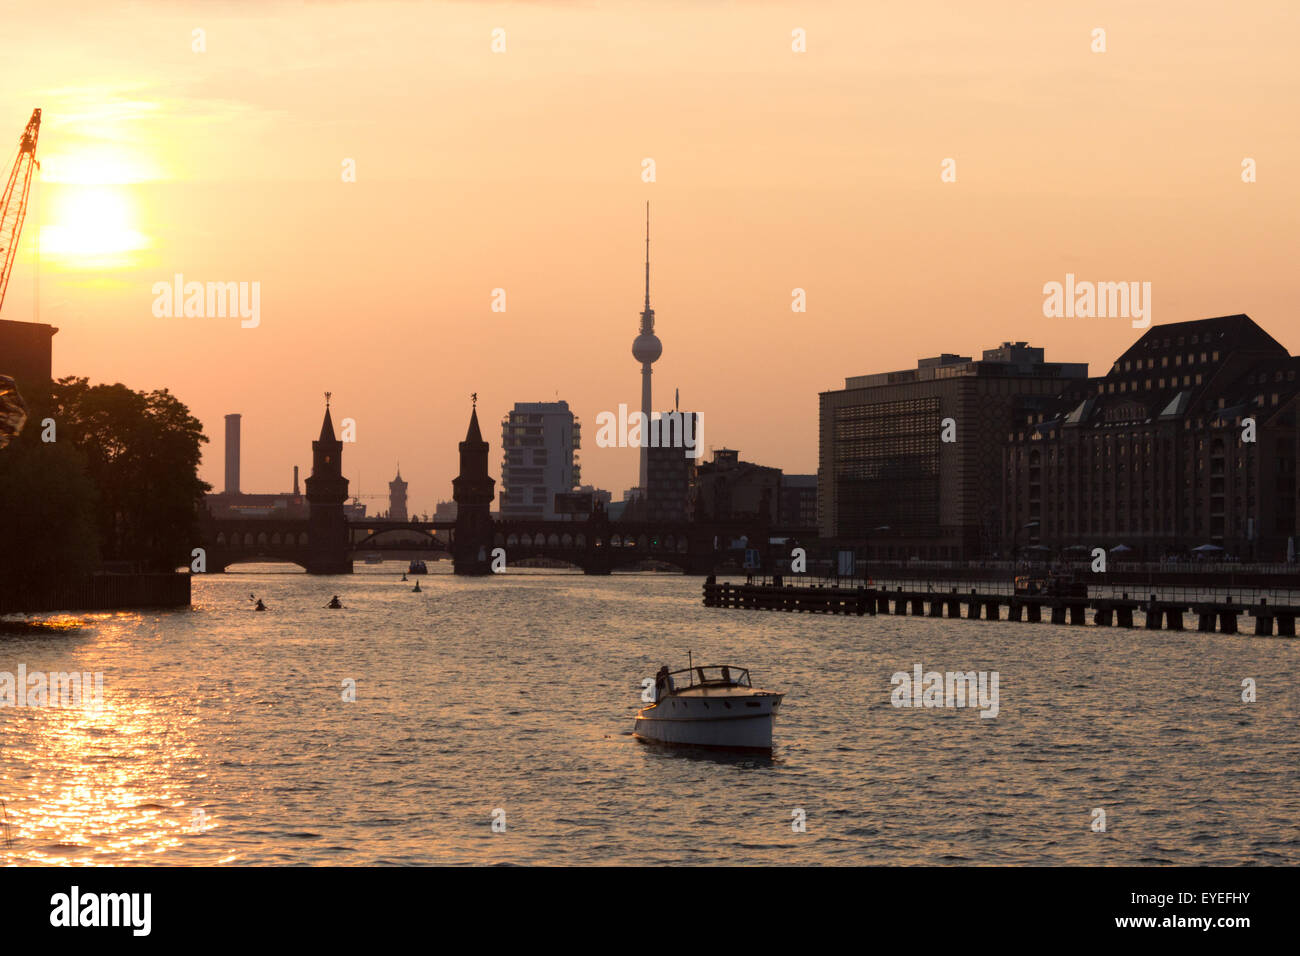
(326, 541)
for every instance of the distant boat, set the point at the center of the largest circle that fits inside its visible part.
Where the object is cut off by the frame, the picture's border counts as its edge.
(711, 706)
(374, 559)
(417, 567)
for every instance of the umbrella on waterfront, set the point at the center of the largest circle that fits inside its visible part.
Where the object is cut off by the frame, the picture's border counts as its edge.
(1206, 549)
(1120, 549)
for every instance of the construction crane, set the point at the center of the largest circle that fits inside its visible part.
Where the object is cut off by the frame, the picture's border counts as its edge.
(13, 204)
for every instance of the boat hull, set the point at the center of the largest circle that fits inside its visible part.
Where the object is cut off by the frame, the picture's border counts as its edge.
(690, 724)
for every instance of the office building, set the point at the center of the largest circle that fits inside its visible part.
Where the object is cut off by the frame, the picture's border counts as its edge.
(910, 462)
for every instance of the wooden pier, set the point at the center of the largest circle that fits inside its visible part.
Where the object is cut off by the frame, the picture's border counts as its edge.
(1107, 612)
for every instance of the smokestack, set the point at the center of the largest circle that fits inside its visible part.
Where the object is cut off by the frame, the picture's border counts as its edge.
(232, 454)
(296, 492)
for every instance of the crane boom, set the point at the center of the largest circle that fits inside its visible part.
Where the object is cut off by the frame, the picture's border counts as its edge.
(13, 203)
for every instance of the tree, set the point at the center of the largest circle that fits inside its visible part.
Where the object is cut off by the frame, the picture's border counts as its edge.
(47, 514)
(142, 455)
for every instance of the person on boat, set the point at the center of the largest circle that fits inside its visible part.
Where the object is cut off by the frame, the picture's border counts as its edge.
(259, 606)
(662, 682)
(403, 575)
(416, 589)
(334, 602)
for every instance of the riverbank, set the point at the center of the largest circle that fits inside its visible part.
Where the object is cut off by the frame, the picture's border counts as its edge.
(100, 592)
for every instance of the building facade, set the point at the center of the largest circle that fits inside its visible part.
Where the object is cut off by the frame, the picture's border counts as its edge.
(1189, 441)
(27, 355)
(798, 505)
(671, 469)
(910, 461)
(728, 488)
(540, 443)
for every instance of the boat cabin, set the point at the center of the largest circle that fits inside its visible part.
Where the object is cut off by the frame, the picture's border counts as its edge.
(713, 676)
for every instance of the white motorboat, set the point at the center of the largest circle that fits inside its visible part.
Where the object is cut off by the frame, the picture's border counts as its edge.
(709, 706)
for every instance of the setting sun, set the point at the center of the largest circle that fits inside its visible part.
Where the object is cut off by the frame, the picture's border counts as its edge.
(90, 223)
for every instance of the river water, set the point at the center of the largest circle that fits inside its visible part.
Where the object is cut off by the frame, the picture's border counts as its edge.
(223, 735)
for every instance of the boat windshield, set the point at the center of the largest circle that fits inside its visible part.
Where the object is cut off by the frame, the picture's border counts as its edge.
(716, 675)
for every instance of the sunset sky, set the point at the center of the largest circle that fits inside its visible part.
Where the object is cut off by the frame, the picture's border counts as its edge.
(522, 170)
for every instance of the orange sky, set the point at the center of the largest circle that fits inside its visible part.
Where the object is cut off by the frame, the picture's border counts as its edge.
(522, 170)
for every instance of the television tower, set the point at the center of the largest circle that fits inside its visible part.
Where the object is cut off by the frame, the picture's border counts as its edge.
(646, 349)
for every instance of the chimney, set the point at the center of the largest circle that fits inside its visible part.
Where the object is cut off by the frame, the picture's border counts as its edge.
(296, 492)
(232, 454)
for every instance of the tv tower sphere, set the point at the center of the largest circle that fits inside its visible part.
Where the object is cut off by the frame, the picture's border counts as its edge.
(647, 347)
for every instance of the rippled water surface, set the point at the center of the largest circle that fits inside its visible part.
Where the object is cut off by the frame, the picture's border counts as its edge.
(224, 736)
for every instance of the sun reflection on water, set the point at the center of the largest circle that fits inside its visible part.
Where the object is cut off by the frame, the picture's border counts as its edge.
(102, 784)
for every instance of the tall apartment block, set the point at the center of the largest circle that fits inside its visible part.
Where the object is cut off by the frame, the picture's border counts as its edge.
(540, 443)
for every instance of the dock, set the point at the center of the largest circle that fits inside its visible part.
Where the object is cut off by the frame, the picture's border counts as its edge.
(1222, 617)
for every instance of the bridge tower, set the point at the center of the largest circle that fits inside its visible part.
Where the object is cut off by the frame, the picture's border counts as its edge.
(327, 489)
(473, 489)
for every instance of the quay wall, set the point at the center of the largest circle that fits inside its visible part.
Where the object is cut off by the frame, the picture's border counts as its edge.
(100, 592)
